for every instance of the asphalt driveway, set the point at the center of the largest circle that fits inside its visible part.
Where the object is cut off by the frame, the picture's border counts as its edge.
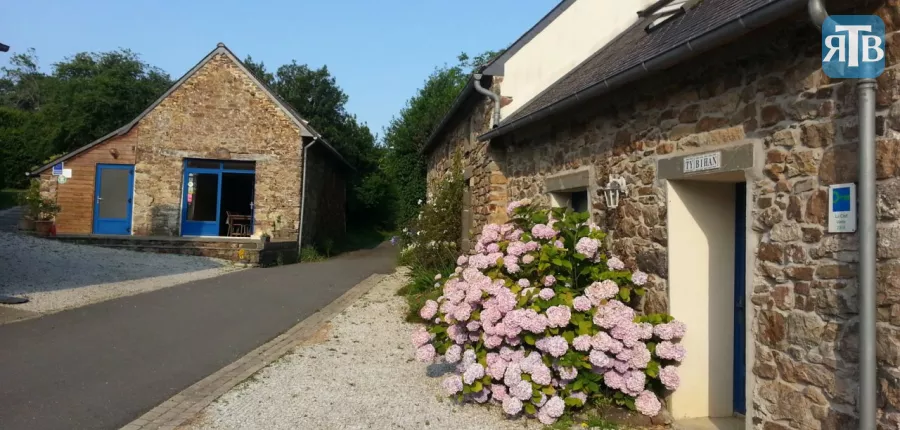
(103, 365)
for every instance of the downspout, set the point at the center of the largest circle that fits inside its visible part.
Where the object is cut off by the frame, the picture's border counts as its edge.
(868, 367)
(303, 193)
(490, 94)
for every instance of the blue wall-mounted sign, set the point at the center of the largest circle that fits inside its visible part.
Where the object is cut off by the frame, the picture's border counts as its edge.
(853, 46)
(842, 208)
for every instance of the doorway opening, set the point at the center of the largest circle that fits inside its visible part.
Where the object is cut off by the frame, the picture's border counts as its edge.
(707, 240)
(218, 198)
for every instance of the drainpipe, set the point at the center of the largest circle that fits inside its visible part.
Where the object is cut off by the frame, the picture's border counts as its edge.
(303, 194)
(867, 246)
(490, 94)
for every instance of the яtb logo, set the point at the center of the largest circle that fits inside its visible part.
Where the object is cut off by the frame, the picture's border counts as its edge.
(853, 46)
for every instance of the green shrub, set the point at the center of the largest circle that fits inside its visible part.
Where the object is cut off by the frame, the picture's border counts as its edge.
(431, 240)
(310, 254)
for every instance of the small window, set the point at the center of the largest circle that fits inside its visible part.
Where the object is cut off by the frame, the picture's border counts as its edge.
(577, 200)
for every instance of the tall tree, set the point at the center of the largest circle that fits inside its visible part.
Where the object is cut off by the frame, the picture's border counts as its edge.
(408, 131)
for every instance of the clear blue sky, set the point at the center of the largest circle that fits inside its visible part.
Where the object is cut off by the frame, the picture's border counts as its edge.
(380, 51)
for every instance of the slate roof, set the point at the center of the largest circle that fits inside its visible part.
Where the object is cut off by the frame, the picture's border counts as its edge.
(635, 46)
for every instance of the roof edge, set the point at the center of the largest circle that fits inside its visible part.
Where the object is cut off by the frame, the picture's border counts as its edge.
(302, 124)
(712, 39)
(460, 99)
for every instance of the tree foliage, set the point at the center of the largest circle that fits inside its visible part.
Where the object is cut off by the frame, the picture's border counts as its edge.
(83, 98)
(408, 132)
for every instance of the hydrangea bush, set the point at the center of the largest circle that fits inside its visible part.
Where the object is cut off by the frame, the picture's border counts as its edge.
(541, 319)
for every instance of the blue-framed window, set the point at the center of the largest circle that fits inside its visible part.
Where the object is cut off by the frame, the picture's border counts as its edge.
(212, 190)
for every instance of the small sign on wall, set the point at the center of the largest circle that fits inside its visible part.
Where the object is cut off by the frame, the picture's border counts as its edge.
(57, 169)
(702, 162)
(842, 208)
(67, 173)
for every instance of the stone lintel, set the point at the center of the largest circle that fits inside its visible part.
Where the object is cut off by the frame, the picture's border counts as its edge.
(734, 158)
(568, 181)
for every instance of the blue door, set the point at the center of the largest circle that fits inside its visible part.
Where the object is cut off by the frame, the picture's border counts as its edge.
(740, 241)
(206, 182)
(113, 192)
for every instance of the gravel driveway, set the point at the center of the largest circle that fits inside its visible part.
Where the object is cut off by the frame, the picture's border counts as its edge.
(360, 375)
(56, 275)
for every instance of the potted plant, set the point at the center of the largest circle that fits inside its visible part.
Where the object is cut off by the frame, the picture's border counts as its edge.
(44, 223)
(31, 201)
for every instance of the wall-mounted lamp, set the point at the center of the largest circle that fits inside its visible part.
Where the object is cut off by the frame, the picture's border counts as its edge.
(614, 189)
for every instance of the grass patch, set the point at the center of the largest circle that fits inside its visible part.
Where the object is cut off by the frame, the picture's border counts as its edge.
(419, 290)
(9, 198)
(309, 254)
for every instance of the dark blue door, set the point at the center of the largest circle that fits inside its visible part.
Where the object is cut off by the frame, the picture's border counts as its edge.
(205, 206)
(740, 241)
(113, 191)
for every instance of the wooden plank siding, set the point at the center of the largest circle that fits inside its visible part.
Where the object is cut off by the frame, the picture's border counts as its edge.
(76, 196)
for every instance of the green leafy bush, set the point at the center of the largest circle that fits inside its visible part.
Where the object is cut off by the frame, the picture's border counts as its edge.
(310, 254)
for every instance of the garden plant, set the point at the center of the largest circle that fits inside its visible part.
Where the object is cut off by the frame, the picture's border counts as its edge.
(541, 319)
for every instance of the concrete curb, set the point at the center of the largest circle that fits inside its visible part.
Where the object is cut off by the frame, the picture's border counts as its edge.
(189, 402)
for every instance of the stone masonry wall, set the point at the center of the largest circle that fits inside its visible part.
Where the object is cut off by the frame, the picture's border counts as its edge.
(218, 113)
(487, 185)
(767, 86)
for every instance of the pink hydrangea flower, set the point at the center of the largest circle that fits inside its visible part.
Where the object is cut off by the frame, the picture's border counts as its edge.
(670, 351)
(587, 247)
(547, 293)
(599, 291)
(532, 246)
(582, 343)
(524, 283)
(462, 260)
(540, 374)
(647, 403)
(580, 396)
(604, 342)
(549, 280)
(425, 353)
(528, 259)
(482, 396)
(521, 390)
(634, 382)
(492, 248)
(420, 337)
(557, 346)
(628, 332)
(492, 341)
(599, 359)
(646, 330)
(614, 263)
(515, 234)
(463, 312)
(545, 419)
(639, 278)
(498, 392)
(640, 356)
(497, 369)
(473, 325)
(473, 372)
(669, 377)
(670, 331)
(541, 231)
(582, 304)
(452, 384)
(568, 373)
(512, 405)
(513, 374)
(559, 316)
(516, 249)
(614, 380)
(453, 354)
(554, 407)
(512, 206)
(613, 313)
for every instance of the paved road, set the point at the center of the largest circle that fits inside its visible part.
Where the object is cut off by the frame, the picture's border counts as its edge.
(101, 366)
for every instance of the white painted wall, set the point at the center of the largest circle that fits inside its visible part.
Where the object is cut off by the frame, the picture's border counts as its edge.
(580, 31)
(701, 293)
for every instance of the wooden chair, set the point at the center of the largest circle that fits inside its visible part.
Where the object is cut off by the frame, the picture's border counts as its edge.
(238, 225)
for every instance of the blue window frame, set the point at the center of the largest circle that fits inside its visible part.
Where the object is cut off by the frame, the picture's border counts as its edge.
(740, 326)
(201, 204)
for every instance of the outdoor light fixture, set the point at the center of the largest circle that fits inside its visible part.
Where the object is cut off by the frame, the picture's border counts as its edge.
(614, 188)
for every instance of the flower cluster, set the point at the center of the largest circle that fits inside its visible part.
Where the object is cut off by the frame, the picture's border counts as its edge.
(539, 318)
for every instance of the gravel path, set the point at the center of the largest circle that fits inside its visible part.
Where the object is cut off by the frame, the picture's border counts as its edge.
(56, 275)
(360, 375)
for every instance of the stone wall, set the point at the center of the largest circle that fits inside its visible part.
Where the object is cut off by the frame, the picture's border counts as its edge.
(767, 88)
(218, 113)
(324, 211)
(487, 188)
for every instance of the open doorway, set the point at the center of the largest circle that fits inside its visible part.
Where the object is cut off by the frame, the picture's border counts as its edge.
(237, 204)
(218, 198)
(707, 258)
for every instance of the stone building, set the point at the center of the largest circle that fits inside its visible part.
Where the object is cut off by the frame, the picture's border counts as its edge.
(219, 154)
(727, 153)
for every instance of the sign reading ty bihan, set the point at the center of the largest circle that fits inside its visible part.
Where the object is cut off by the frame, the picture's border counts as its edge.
(842, 208)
